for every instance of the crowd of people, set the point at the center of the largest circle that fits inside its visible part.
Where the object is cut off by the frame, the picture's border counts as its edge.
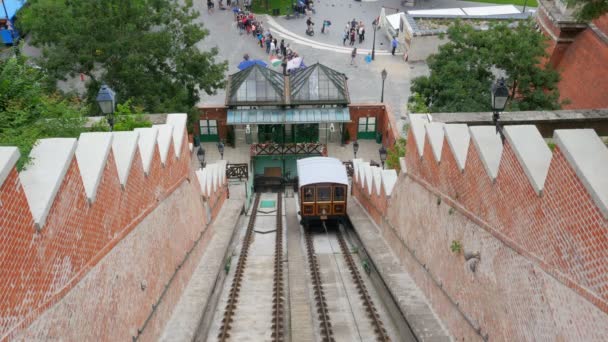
(353, 31)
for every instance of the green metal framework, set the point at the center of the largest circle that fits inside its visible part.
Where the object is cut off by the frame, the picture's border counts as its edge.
(318, 84)
(255, 85)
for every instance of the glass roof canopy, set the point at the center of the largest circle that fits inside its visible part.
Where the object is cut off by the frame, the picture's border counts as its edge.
(288, 116)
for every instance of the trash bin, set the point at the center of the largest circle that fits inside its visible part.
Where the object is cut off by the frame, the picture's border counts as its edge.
(276, 11)
(378, 137)
(197, 141)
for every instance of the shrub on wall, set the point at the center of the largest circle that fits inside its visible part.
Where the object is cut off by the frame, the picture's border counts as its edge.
(394, 153)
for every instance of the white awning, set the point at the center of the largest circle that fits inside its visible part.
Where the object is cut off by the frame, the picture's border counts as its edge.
(321, 170)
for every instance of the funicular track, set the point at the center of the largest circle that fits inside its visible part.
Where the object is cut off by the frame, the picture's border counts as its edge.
(235, 288)
(320, 301)
(278, 313)
(372, 313)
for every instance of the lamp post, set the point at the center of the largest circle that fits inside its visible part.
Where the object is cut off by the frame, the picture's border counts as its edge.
(525, 4)
(220, 148)
(11, 30)
(106, 98)
(200, 154)
(375, 26)
(355, 148)
(384, 74)
(382, 152)
(500, 95)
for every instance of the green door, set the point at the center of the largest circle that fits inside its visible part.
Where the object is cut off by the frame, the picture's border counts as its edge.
(208, 129)
(366, 128)
(270, 133)
(306, 133)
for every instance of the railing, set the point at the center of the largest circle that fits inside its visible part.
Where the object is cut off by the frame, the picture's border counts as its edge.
(237, 171)
(292, 149)
(350, 171)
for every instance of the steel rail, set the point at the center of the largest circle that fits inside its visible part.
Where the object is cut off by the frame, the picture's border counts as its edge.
(278, 334)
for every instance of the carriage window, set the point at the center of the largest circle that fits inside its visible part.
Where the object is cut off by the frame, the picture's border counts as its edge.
(323, 193)
(309, 194)
(339, 193)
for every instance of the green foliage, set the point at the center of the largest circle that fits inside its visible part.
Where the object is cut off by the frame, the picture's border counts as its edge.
(394, 153)
(145, 50)
(416, 104)
(29, 111)
(456, 246)
(127, 117)
(462, 72)
(192, 120)
(588, 10)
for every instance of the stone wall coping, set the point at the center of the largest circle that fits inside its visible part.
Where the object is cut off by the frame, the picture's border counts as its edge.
(377, 179)
(165, 135)
(373, 177)
(458, 138)
(489, 145)
(417, 124)
(532, 152)
(9, 155)
(389, 179)
(124, 146)
(41, 179)
(588, 156)
(147, 145)
(92, 154)
(178, 121)
(435, 134)
(521, 117)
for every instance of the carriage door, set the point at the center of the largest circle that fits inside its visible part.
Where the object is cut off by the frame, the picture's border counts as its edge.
(208, 129)
(366, 128)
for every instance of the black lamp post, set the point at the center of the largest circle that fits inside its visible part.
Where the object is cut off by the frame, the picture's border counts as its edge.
(200, 154)
(384, 74)
(500, 95)
(106, 98)
(525, 4)
(220, 148)
(355, 148)
(382, 152)
(375, 26)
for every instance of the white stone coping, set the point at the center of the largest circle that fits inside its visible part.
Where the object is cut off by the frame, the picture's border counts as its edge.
(588, 156)
(178, 121)
(403, 165)
(42, 179)
(92, 154)
(200, 175)
(435, 133)
(165, 135)
(458, 138)
(418, 130)
(488, 144)
(389, 179)
(147, 145)
(124, 146)
(532, 153)
(9, 156)
(377, 179)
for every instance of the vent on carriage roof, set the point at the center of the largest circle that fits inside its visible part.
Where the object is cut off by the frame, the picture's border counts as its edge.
(255, 85)
(318, 84)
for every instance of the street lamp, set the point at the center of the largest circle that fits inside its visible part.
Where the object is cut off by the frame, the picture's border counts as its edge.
(382, 152)
(500, 95)
(200, 154)
(384, 74)
(355, 148)
(220, 148)
(106, 98)
(375, 26)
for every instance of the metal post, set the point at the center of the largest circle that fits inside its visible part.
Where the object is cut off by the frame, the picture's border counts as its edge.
(375, 26)
(382, 95)
(525, 4)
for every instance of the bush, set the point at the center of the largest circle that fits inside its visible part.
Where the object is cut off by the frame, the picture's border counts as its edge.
(126, 118)
(394, 153)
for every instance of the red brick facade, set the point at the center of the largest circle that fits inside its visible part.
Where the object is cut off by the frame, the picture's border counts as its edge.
(543, 269)
(80, 276)
(219, 113)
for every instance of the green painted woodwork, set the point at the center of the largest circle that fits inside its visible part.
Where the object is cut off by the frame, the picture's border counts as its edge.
(366, 129)
(208, 131)
(306, 133)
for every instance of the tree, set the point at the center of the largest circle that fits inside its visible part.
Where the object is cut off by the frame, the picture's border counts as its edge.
(588, 10)
(146, 50)
(127, 117)
(29, 111)
(463, 71)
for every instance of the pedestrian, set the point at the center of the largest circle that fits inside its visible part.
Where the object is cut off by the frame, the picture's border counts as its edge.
(282, 46)
(361, 34)
(368, 58)
(272, 46)
(276, 47)
(352, 37)
(394, 44)
(345, 37)
(210, 6)
(268, 42)
(284, 65)
(261, 39)
(353, 55)
(353, 24)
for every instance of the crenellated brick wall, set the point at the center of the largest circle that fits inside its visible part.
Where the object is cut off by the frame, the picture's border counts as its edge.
(91, 267)
(537, 218)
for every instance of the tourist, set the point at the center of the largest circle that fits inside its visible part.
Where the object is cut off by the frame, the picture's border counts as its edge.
(361, 33)
(394, 45)
(353, 55)
(268, 42)
(210, 6)
(272, 46)
(352, 37)
(345, 37)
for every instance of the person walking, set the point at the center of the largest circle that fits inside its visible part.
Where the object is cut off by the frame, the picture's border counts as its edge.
(353, 24)
(352, 37)
(268, 41)
(345, 37)
(282, 46)
(272, 46)
(361, 33)
(210, 6)
(394, 44)
(276, 47)
(353, 55)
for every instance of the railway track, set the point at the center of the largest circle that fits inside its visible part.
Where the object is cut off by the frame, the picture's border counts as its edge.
(372, 313)
(278, 313)
(235, 288)
(320, 301)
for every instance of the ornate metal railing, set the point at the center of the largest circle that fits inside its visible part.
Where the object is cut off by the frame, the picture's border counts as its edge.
(237, 171)
(350, 171)
(293, 149)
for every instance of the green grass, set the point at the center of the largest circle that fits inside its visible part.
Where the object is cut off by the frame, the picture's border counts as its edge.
(530, 3)
(266, 6)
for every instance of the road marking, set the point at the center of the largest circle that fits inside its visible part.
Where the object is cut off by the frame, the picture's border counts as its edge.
(283, 32)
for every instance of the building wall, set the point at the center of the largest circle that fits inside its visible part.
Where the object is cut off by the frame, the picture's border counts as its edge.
(542, 268)
(219, 113)
(94, 269)
(385, 122)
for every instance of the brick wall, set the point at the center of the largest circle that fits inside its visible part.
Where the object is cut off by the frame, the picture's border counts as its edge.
(543, 259)
(219, 113)
(80, 276)
(385, 122)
